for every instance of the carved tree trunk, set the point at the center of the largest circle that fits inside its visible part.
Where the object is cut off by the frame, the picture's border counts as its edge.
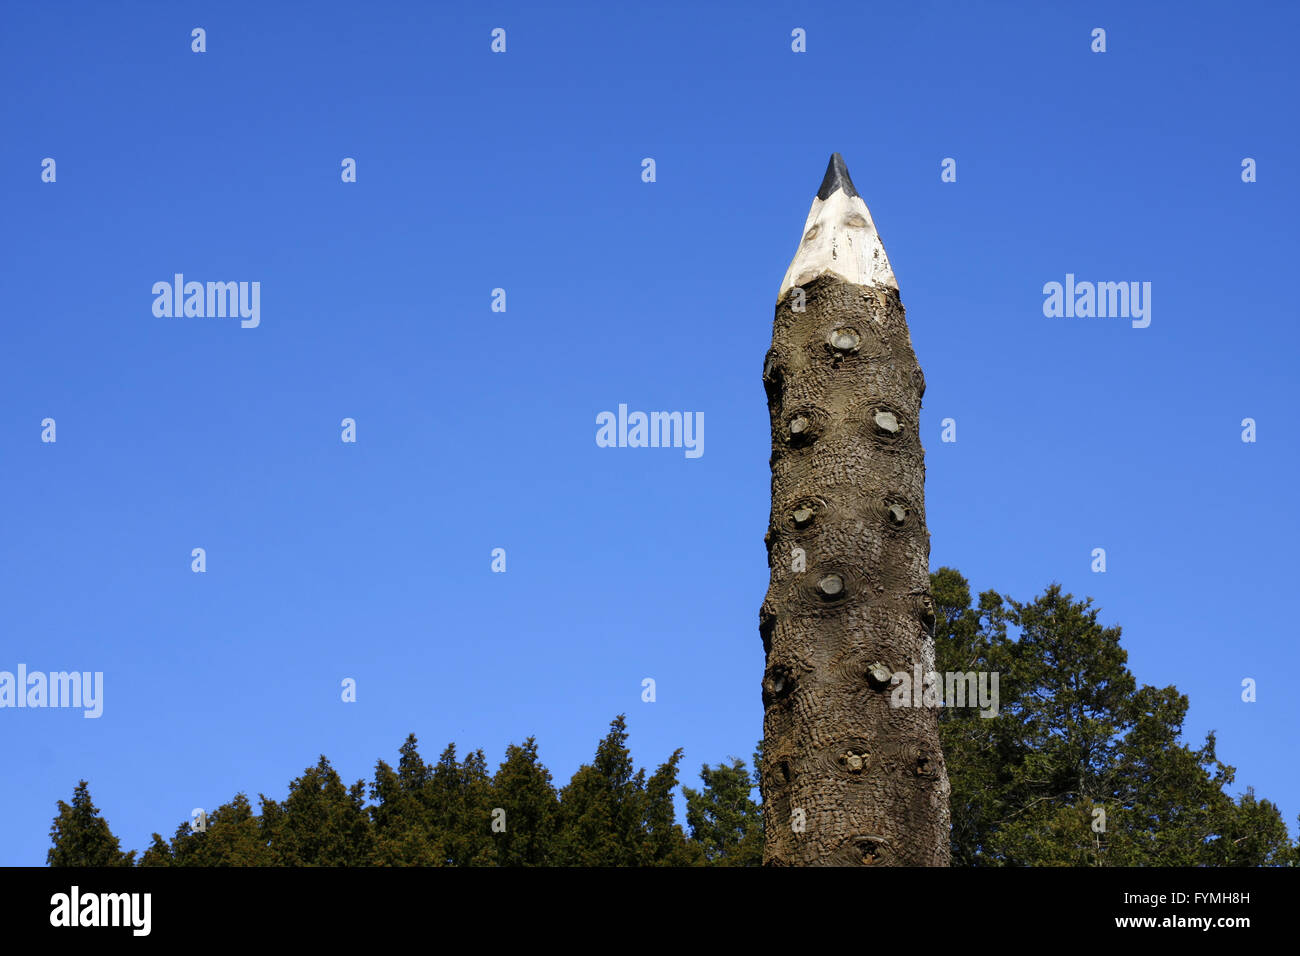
(847, 778)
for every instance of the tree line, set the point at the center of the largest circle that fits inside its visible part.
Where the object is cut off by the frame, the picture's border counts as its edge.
(1082, 766)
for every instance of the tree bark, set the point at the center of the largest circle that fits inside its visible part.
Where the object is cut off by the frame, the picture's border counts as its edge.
(847, 779)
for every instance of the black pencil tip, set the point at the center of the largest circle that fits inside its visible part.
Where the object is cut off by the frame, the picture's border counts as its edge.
(837, 177)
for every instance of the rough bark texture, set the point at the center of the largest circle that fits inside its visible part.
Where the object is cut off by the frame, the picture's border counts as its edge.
(848, 488)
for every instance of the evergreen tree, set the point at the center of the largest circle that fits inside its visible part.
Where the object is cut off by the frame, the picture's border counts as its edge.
(976, 749)
(522, 788)
(725, 822)
(232, 836)
(1257, 835)
(1252, 833)
(404, 833)
(600, 807)
(610, 814)
(1081, 766)
(158, 854)
(458, 799)
(665, 843)
(320, 823)
(82, 837)
(270, 822)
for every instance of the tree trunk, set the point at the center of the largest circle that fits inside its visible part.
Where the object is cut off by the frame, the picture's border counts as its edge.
(847, 779)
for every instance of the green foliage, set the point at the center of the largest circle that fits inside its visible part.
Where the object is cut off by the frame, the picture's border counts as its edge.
(232, 836)
(320, 823)
(399, 815)
(522, 788)
(458, 799)
(1253, 834)
(663, 842)
(158, 854)
(81, 837)
(611, 815)
(1076, 742)
(1081, 766)
(600, 808)
(725, 822)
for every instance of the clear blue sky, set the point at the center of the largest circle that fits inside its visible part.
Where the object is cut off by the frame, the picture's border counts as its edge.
(476, 428)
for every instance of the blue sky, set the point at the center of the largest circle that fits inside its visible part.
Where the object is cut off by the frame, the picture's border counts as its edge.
(475, 429)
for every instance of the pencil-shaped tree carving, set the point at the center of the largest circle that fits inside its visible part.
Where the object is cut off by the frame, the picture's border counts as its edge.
(847, 779)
